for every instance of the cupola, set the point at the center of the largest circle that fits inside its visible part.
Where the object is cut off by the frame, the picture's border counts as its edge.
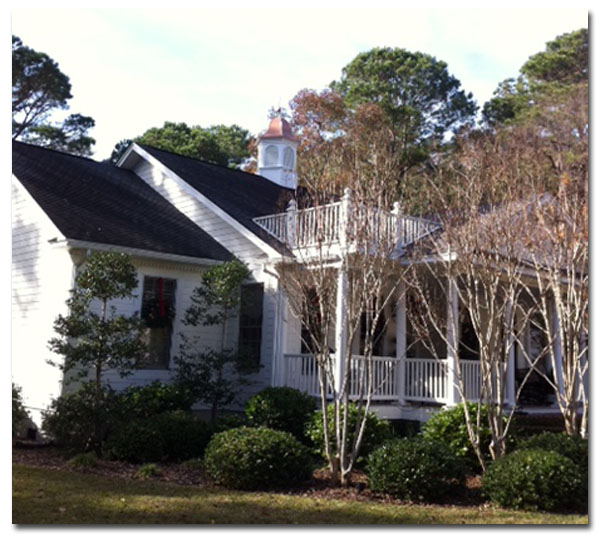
(277, 153)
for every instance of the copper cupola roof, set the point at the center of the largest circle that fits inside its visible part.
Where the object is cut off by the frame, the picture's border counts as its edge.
(279, 128)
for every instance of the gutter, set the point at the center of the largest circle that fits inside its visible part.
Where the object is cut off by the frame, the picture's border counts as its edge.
(137, 252)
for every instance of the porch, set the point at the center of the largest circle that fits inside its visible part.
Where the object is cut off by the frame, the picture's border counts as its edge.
(393, 380)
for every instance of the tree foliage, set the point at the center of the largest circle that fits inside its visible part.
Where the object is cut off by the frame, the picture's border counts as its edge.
(210, 375)
(39, 87)
(422, 99)
(96, 341)
(226, 145)
(564, 63)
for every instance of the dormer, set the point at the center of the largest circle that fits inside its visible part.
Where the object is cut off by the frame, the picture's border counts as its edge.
(277, 153)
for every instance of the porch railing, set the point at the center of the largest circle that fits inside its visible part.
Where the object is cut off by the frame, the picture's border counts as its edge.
(301, 372)
(425, 379)
(324, 225)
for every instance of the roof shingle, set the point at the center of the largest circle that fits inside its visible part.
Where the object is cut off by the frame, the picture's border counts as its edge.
(98, 202)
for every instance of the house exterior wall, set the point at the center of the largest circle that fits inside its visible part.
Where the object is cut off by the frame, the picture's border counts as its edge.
(242, 248)
(41, 277)
(43, 274)
(187, 278)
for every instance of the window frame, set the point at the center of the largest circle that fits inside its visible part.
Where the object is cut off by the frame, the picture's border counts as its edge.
(165, 363)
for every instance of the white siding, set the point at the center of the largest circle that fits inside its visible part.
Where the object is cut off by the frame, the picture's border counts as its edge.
(203, 216)
(41, 278)
(239, 246)
(189, 277)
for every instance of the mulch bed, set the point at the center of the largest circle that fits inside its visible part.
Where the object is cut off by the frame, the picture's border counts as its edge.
(319, 487)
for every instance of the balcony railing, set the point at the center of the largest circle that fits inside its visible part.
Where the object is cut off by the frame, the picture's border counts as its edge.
(327, 225)
(425, 379)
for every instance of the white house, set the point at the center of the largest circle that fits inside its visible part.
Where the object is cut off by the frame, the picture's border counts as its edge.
(176, 216)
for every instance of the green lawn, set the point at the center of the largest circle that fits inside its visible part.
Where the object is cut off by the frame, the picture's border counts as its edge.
(42, 496)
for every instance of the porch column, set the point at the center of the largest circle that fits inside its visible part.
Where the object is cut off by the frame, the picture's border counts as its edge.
(278, 371)
(345, 218)
(401, 342)
(509, 397)
(290, 223)
(340, 327)
(453, 394)
(557, 352)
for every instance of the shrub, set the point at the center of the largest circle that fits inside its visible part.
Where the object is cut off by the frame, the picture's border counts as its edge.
(183, 435)
(84, 460)
(19, 414)
(573, 448)
(146, 471)
(173, 436)
(71, 417)
(450, 427)
(257, 458)
(533, 480)
(153, 399)
(376, 431)
(137, 442)
(416, 469)
(281, 408)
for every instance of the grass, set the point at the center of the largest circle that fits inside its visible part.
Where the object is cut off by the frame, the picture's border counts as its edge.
(44, 496)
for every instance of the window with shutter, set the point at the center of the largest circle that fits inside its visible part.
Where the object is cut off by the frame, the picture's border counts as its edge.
(158, 312)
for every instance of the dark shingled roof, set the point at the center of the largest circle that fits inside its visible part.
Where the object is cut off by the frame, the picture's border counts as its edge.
(242, 195)
(98, 202)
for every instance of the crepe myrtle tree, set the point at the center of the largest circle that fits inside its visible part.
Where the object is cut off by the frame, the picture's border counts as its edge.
(92, 338)
(475, 261)
(515, 243)
(213, 375)
(557, 246)
(342, 278)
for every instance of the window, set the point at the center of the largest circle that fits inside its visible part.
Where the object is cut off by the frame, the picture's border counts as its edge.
(250, 336)
(158, 311)
(271, 155)
(288, 158)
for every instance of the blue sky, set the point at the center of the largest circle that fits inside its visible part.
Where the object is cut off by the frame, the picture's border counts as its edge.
(134, 69)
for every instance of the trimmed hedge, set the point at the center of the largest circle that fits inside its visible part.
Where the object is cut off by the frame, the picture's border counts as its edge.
(573, 448)
(416, 469)
(171, 436)
(281, 408)
(257, 459)
(533, 480)
(376, 432)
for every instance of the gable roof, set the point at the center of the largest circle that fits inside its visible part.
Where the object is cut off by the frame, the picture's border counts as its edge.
(242, 195)
(98, 202)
